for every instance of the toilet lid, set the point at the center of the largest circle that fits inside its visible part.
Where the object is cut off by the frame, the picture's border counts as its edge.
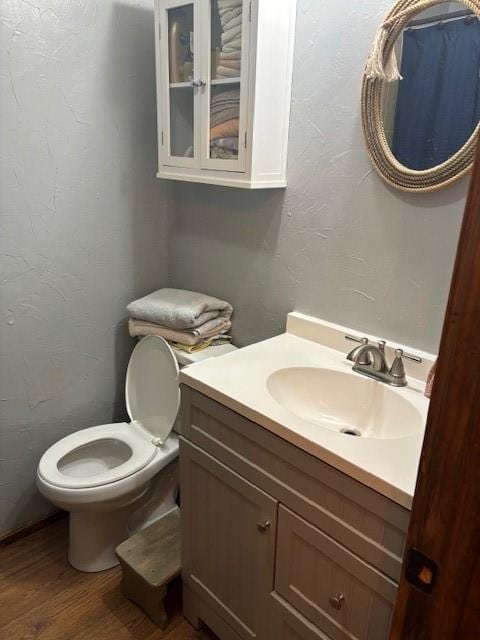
(152, 391)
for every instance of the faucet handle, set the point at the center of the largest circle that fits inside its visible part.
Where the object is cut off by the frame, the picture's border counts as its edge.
(397, 370)
(410, 356)
(356, 339)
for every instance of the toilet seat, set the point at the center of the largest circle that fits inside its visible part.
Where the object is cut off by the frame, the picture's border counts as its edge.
(102, 455)
(142, 451)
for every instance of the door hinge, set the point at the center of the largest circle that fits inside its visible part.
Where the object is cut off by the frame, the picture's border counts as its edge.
(162, 138)
(245, 141)
(250, 12)
(159, 31)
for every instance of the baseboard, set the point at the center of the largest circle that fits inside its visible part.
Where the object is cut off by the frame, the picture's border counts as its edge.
(16, 534)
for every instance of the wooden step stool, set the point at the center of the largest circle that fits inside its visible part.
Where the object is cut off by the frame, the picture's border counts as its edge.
(150, 559)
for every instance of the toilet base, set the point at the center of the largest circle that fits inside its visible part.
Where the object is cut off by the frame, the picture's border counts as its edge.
(94, 537)
(95, 534)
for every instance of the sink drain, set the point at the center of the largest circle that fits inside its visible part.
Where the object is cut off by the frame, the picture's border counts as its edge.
(351, 432)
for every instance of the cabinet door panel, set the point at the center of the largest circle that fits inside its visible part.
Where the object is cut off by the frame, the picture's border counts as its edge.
(226, 29)
(180, 63)
(227, 552)
(339, 593)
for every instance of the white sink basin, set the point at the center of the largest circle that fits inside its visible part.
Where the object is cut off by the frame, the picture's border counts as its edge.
(347, 403)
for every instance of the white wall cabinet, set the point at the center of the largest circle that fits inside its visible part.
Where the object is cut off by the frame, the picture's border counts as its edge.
(224, 73)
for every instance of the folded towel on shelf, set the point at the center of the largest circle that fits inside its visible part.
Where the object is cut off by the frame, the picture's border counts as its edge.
(231, 21)
(233, 47)
(229, 129)
(227, 96)
(227, 16)
(232, 35)
(226, 72)
(189, 337)
(211, 342)
(217, 153)
(224, 116)
(229, 4)
(236, 54)
(225, 143)
(231, 64)
(224, 106)
(179, 309)
(224, 149)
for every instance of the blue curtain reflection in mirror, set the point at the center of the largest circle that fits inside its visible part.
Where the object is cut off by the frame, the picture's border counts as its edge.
(438, 104)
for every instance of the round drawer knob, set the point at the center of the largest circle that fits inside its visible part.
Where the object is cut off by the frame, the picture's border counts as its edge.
(337, 601)
(264, 526)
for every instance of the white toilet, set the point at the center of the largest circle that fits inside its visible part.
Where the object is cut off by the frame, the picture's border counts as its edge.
(115, 479)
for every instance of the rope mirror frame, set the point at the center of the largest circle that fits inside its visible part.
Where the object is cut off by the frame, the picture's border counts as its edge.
(391, 170)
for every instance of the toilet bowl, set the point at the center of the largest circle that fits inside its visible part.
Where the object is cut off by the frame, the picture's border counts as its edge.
(115, 479)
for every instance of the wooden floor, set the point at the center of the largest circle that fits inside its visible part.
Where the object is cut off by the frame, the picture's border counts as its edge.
(42, 597)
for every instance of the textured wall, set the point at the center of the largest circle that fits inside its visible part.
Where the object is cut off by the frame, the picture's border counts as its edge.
(82, 221)
(338, 243)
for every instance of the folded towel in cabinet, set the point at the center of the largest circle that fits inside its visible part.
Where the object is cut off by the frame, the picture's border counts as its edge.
(227, 15)
(234, 46)
(229, 97)
(226, 72)
(230, 55)
(224, 116)
(230, 64)
(226, 143)
(229, 129)
(219, 153)
(229, 4)
(228, 22)
(224, 106)
(189, 337)
(179, 309)
(231, 35)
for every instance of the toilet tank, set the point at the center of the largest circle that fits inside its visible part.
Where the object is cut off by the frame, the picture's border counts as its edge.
(184, 359)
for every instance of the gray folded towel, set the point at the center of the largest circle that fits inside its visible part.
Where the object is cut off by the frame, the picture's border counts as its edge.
(179, 309)
(210, 329)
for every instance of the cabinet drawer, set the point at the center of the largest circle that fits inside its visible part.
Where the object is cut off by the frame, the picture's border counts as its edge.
(289, 624)
(342, 595)
(361, 519)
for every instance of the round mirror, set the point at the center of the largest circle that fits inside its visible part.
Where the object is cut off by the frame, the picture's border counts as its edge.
(421, 129)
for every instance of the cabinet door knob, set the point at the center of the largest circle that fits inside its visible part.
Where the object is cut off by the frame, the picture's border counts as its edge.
(337, 601)
(264, 526)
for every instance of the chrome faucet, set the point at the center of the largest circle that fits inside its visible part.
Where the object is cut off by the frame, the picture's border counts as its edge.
(370, 361)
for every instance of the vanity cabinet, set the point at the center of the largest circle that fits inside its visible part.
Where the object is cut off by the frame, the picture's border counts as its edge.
(276, 544)
(224, 70)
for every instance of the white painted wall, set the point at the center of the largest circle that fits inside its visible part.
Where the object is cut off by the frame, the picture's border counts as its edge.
(338, 243)
(82, 221)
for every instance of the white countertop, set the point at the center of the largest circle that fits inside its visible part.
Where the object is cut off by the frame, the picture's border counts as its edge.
(238, 381)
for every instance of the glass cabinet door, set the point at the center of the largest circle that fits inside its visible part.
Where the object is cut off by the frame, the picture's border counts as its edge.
(181, 66)
(224, 99)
